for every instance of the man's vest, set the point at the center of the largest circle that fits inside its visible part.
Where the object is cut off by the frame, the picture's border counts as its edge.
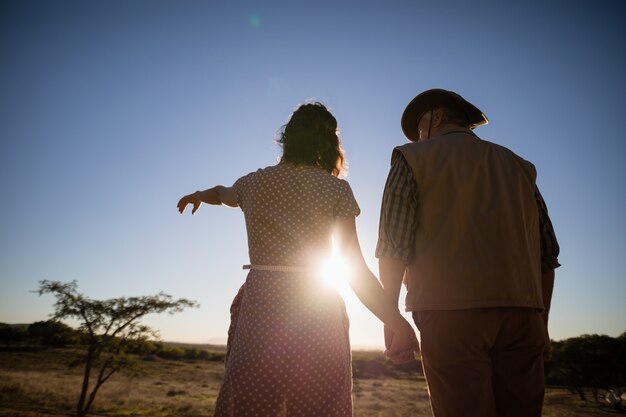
(477, 241)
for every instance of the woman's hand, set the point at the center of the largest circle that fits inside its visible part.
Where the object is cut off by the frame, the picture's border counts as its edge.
(216, 196)
(401, 345)
(190, 199)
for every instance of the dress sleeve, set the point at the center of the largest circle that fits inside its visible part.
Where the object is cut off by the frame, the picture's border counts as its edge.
(241, 187)
(346, 205)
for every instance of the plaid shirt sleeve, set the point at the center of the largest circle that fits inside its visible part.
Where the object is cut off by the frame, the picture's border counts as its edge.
(548, 243)
(398, 214)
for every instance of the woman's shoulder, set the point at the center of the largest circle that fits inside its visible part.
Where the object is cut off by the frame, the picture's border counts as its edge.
(328, 178)
(258, 172)
(286, 170)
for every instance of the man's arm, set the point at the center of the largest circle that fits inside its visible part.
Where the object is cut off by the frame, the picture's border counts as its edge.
(549, 247)
(391, 274)
(549, 262)
(396, 234)
(547, 285)
(398, 226)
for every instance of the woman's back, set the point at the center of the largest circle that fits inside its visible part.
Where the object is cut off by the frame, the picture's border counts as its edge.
(289, 211)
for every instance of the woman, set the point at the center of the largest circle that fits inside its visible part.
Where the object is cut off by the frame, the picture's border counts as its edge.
(289, 352)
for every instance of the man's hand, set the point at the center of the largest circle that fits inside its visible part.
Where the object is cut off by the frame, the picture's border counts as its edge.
(401, 346)
(391, 272)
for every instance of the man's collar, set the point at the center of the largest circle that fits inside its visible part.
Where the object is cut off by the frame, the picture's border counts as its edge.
(453, 129)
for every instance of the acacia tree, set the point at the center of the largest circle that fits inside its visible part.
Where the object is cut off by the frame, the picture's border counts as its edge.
(107, 327)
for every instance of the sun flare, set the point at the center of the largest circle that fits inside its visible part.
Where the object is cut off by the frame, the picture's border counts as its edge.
(335, 271)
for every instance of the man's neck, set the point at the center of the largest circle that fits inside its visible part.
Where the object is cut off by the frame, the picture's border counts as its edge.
(447, 128)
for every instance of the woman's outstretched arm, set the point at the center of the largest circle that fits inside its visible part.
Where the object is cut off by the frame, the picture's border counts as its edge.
(368, 289)
(217, 195)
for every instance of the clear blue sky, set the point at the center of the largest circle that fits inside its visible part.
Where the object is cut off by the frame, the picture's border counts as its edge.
(110, 111)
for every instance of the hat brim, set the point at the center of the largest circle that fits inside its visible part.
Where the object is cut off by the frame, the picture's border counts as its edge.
(434, 98)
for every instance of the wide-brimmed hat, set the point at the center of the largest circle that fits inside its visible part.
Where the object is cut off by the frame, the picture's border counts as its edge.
(438, 97)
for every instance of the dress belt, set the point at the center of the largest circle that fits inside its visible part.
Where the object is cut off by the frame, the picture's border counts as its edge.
(280, 268)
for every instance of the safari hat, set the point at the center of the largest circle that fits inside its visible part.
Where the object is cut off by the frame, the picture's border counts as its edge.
(438, 97)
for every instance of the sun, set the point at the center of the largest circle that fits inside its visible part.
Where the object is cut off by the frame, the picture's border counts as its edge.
(335, 271)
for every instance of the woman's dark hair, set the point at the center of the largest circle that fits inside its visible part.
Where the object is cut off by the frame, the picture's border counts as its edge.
(310, 138)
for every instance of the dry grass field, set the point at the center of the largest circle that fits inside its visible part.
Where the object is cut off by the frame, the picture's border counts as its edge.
(39, 383)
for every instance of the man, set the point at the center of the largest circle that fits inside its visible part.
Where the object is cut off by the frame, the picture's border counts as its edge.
(463, 223)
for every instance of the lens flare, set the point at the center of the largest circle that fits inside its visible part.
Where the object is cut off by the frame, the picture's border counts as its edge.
(255, 21)
(335, 271)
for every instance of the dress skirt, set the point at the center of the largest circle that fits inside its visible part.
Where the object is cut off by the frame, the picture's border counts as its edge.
(288, 350)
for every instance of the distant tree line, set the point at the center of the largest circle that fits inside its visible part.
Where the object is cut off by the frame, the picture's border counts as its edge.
(48, 333)
(589, 361)
(55, 334)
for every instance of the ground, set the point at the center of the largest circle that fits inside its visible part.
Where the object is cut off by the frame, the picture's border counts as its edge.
(39, 383)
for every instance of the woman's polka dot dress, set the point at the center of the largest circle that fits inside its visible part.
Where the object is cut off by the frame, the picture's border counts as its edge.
(288, 349)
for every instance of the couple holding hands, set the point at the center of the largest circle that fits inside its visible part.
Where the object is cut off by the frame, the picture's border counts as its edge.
(462, 224)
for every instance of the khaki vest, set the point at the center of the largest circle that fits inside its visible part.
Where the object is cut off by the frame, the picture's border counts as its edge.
(477, 243)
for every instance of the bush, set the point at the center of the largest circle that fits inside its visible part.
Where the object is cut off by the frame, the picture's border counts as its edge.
(142, 347)
(368, 365)
(182, 353)
(52, 333)
(12, 333)
(592, 361)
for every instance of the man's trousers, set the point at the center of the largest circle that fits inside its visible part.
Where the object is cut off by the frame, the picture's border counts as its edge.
(483, 362)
